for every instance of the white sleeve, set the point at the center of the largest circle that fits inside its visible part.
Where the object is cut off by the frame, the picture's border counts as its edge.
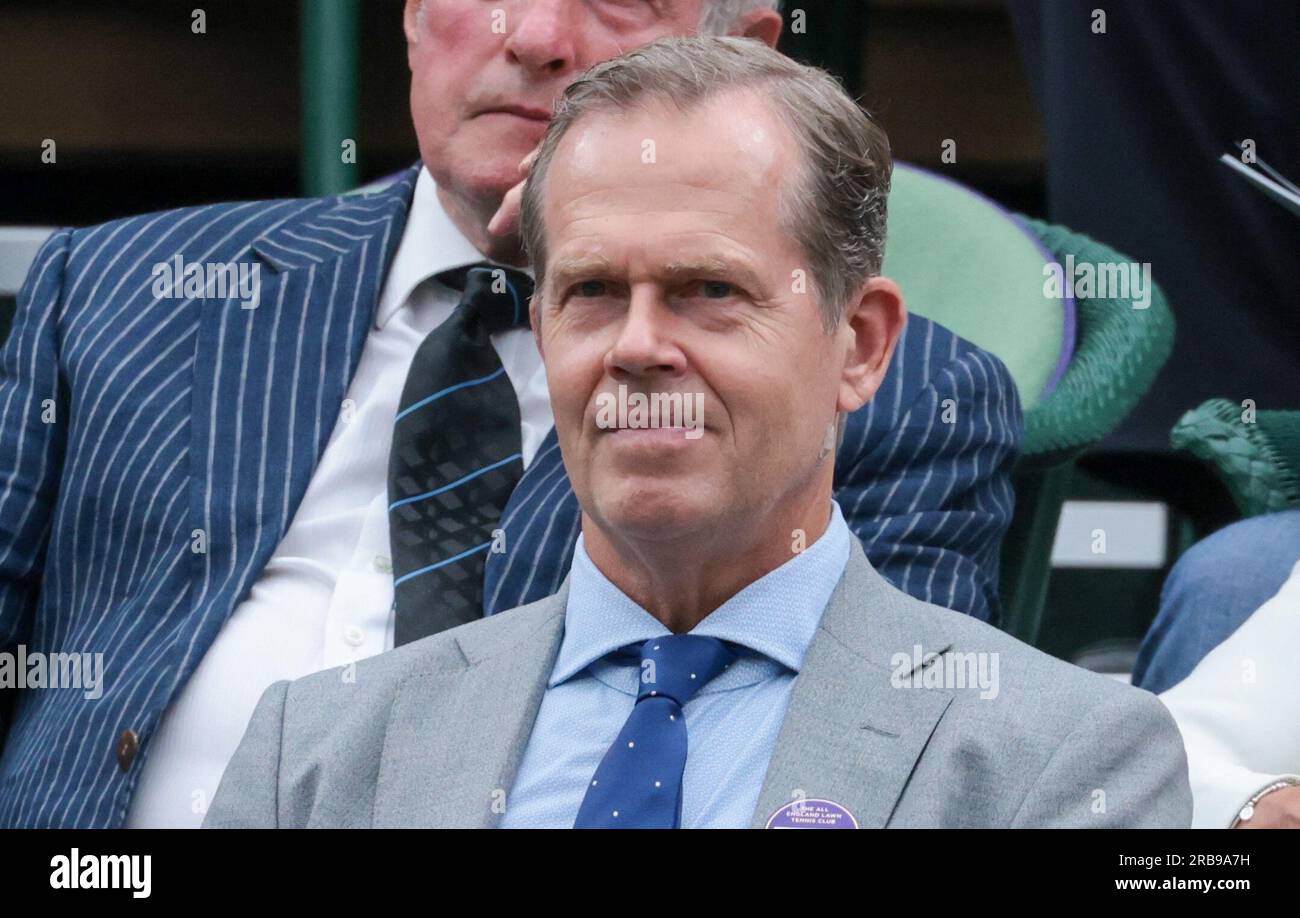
(1239, 710)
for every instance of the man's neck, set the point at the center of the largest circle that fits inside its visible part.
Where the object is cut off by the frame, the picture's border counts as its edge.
(472, 218)
(682, 581)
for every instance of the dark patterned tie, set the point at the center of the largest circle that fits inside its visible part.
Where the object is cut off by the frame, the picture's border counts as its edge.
(456, 455)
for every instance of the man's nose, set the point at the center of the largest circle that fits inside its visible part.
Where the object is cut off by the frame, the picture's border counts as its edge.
(541, 38)
(647, 341)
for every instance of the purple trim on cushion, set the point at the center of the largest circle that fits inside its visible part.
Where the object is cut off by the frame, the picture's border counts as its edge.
(1069, 308)
(1069, 311)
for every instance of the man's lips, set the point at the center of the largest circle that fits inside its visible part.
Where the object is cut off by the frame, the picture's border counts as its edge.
(654, 436)
(519, 111)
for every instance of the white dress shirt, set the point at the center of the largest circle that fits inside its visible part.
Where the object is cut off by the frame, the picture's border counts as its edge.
(325, 598)
(1239, 710)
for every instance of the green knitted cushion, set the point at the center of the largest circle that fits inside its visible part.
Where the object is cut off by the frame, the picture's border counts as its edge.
(1257, 458)
(1120, 348)
(967, 264)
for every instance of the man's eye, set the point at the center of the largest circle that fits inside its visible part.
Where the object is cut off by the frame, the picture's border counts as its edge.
(591, 288)
(716, 290)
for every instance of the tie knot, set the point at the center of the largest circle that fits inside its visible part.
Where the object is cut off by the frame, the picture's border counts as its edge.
(498, 296)
(678, 665)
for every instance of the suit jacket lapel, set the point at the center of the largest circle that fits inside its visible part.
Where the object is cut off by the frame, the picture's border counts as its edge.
(455, 738)
(269, 381)
(850, 735)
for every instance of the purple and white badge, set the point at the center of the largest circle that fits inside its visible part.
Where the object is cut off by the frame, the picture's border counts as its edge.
(812, 814)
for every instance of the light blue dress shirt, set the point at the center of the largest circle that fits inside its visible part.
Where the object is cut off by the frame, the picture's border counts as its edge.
(732, 724)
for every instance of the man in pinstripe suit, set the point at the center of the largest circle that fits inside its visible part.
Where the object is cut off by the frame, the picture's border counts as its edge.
(197, 490)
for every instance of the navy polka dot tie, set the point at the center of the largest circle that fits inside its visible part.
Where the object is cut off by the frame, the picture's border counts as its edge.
(638, 784)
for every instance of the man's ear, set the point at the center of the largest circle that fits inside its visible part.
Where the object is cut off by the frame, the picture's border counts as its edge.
(411, 22)
(765, 25)
(870, 331)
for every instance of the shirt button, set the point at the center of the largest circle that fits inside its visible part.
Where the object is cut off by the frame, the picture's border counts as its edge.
(128, 744)
(354, 635)
(383, 564)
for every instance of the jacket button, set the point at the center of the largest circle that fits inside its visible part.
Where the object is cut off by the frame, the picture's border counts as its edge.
(128, 744)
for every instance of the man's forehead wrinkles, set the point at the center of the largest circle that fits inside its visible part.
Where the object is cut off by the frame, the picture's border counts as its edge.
(572, 199)
(623, 182)
(653, 202)
(571, 224)
(689, 167)
(699, 242)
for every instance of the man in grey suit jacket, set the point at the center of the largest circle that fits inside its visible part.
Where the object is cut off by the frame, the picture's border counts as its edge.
(722, 653)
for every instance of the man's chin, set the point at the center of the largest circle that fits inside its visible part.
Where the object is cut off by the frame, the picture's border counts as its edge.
(653, 510)
(482, 176)
(485, 181)
(491, 151)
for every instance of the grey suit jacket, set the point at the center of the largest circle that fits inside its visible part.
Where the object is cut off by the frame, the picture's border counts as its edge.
(432, 733)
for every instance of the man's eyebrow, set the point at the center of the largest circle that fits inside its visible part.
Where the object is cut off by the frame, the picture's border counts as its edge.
(569, 266)
(711, 266)
(565, 268)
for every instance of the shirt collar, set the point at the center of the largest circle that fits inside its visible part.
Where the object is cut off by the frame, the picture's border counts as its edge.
(431, 243)
(775, 616)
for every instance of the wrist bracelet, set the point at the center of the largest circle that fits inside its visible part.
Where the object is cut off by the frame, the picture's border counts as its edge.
(1248, 811)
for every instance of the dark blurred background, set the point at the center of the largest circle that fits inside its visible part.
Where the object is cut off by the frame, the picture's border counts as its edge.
(147, 115)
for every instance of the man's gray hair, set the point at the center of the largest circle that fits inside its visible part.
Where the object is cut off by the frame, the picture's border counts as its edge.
(718, 16)
(834, 206)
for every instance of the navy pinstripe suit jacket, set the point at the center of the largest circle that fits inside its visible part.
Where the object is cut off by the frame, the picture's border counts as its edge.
(154, 448)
